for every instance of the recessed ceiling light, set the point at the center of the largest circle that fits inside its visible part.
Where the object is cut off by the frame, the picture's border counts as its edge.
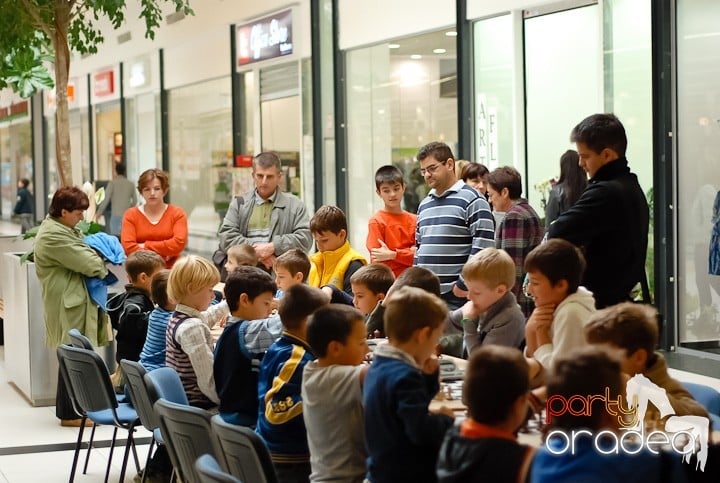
(393, 46)
(451, 33)
(439, 51)
(416, 57)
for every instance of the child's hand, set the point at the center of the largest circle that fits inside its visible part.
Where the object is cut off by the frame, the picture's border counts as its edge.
(469, 311)
(541, 316)
(383, 253)
(431, 365)
(443, 410)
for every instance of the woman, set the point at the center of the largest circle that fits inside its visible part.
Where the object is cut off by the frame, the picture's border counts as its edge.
(156, 225)
(62, 260)
(476, 174)
(568, 189)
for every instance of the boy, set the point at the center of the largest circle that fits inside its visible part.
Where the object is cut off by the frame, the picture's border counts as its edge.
(130, 311)
(291, 268)
(562, 306)
(280, 420)
(153, 352)
(188, 341)
(632, 329)
(402, 437)
(489, 276)
(24, 205)
(586, 372)
(484, 447)
(391, 231)
(369, 285)
(249, 293)
(335, 261)
(239, 256)
(332, 394)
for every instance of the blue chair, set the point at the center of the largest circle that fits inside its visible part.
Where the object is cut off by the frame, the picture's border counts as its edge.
(209, 471)
(165, 383)
(244, 452)
(709, 398)
(93, 398)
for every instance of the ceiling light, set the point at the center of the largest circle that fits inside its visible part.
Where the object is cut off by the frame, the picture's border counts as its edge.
(393, 46)
(416, 57)
(451, 33)
(439, 51)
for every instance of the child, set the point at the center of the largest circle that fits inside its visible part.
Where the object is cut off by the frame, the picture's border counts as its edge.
(369, 285)
(391, 231)
(249, 293)
(153, 352)
(484, 447)
(402, 437)
(332, 394)
(562, 307)
(132, 309)
(586, 372)
(335, 261)
(239, 256)
(291, 268)
(188, 342)
(489, 276)
(632, 329)
(280, 420)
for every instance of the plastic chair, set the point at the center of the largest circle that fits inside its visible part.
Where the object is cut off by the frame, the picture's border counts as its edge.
(93, 398)
(246, 455)
(77, 339)
(709, 398)
(165, 383)
(210, 472)
(187, 434)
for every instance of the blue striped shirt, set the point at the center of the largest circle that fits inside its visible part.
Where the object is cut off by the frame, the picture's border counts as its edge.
(153, 352)
(451, 228)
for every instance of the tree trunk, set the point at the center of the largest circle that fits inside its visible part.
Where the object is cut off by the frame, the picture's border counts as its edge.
(62, 72)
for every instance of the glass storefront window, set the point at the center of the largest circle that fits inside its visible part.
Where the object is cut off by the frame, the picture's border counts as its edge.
(108, 135)
(142, 136)
(400, 95)
(698, 175)
(15, 161)
(200, 138)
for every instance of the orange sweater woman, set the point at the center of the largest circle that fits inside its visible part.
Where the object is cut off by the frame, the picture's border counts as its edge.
(156, 225)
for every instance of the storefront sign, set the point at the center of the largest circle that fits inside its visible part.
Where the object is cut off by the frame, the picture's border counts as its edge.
(243, 161)
(139, 74)
(264, 39)
(486, 137)
(103, 83)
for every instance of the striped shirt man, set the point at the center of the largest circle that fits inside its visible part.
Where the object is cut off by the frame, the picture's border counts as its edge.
(451, 228)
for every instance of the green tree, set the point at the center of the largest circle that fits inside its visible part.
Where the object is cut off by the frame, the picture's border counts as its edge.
(34, 33)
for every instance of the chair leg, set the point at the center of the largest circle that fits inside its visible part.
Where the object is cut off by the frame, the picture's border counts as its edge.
(128, 444)
(87, 457)
(112, 448)
(77, 449)
(147, 461)
(134, 450)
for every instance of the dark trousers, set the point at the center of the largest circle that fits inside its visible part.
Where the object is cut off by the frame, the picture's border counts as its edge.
(63, 404)
(292, 472)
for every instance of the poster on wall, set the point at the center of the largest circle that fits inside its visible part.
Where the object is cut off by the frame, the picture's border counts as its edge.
(264, 39)
(486, 135)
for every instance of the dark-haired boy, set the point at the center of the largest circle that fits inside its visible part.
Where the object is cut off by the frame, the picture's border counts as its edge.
(402, 437)
(332, 394)
(154, 350)
(335, 261)
(391, 230)
(484, 447)
(247, 335)
(280, 420)
(370, 284)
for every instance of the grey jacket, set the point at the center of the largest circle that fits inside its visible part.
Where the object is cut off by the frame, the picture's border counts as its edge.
(502, 324)
(121, 195)
(289, 223)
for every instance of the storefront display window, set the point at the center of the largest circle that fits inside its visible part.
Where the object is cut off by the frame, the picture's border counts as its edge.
(15, 159)
(142, 136)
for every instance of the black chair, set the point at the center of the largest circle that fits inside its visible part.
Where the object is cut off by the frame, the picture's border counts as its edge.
(77, 339)
(245, 453)
(210, 472)
(93, 398)
(187, 434)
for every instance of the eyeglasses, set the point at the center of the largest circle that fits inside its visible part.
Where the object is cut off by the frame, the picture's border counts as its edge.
(431, 169)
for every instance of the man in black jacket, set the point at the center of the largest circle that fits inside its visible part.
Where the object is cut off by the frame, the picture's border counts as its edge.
(610, 220)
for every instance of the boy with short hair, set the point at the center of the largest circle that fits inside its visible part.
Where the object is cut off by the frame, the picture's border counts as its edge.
(391, 230)
(632, 329)
(188, 341)
(490, 276)
(369, 285)
(332, 394)
(247, 336)
(280, 421)
(242, 255)
(335, 261)
(291, 268)
(130, 311)
(562, 306)
(153, 352)
(402, 437)
(484, 447)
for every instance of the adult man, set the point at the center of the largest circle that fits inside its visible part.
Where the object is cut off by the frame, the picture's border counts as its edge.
(610, 220)
(520, 229)
(453, 223)
(121, 195)
(270, 220)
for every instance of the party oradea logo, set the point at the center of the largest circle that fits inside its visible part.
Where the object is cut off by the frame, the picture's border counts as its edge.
(684, 435)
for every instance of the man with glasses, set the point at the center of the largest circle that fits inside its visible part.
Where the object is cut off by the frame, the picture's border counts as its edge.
(454, 222)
